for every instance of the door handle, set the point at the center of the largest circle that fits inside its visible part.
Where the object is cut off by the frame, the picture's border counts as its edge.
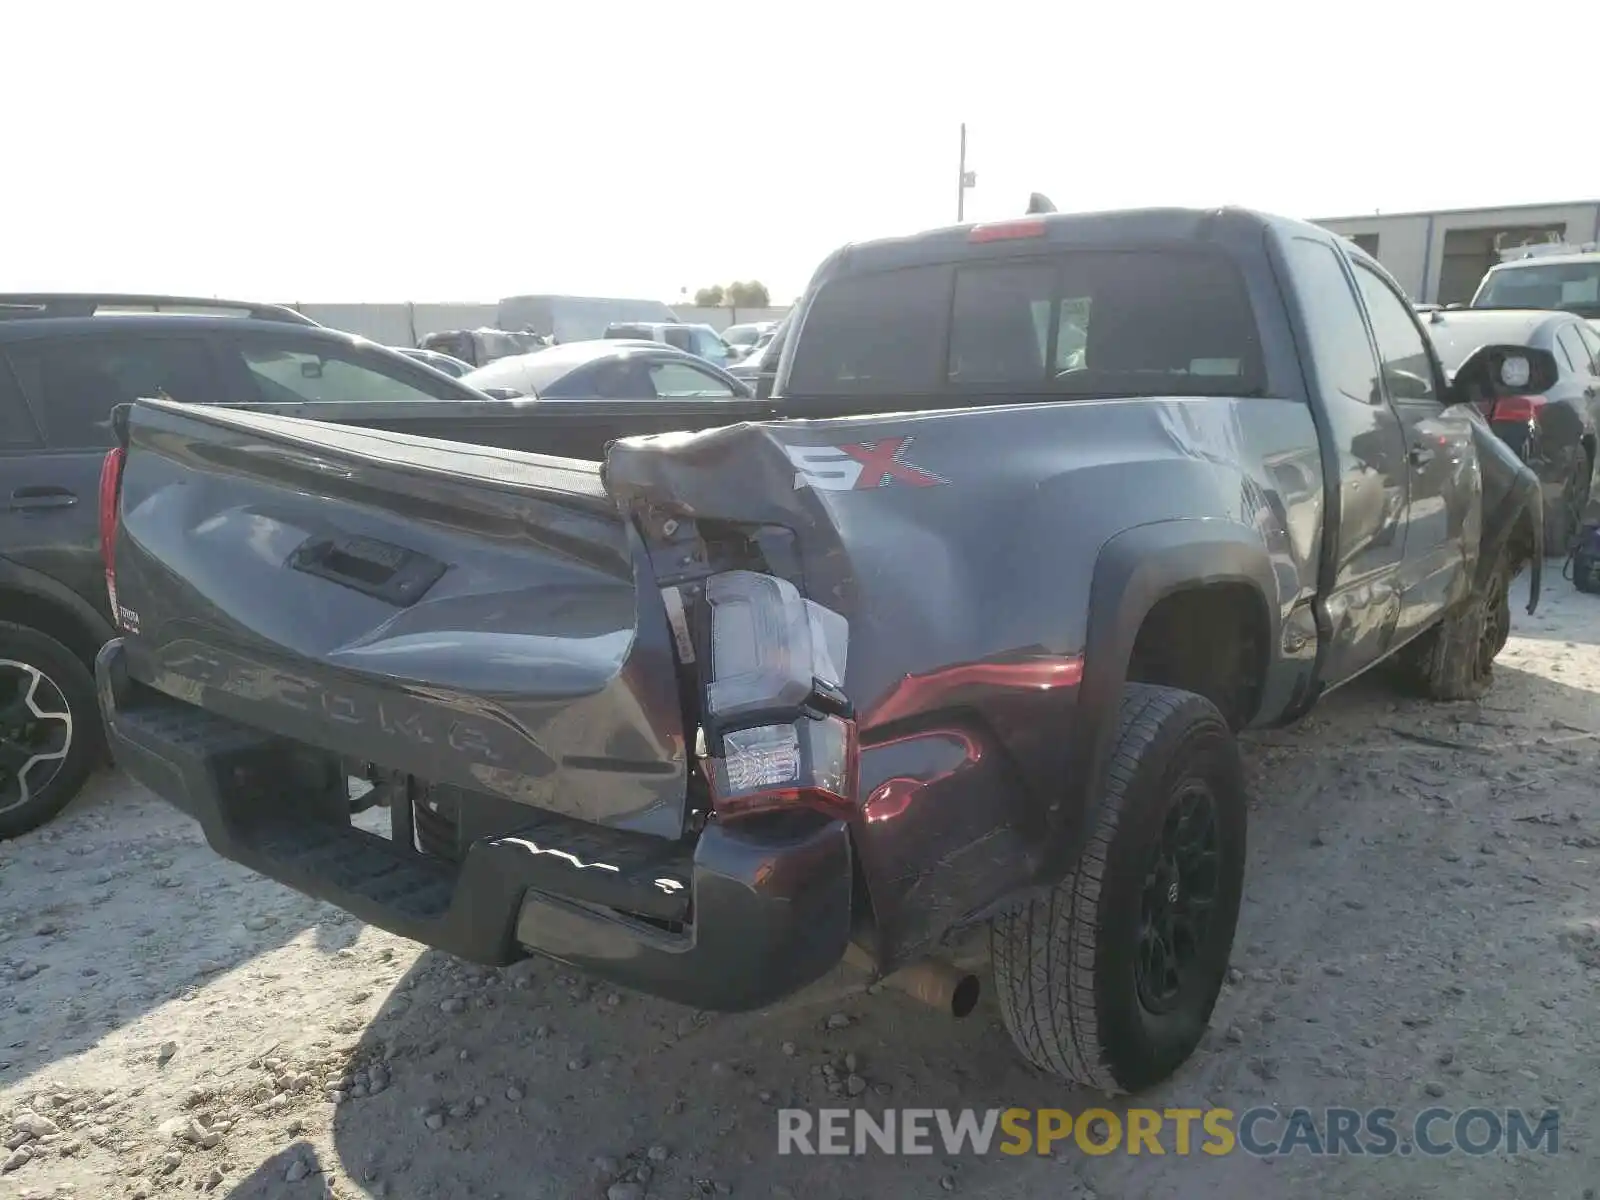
(1420, 455)
(33, 499)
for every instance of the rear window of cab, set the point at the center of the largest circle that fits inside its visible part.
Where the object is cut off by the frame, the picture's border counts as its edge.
(1079, 322)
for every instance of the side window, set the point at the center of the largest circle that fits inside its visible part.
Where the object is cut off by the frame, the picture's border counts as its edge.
(295, 376)
(1590, 339)
(677, 335)
(711, 347)
(1337, 333)
(673, 381)
(74, 383)
(608, 380)
(510, 373)
(16, 422)
(1577, 353)
(1401, 348)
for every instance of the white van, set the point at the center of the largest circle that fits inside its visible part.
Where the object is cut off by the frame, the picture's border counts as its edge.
(576, 318)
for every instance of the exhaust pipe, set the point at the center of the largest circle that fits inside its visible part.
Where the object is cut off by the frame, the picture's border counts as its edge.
(938, 984)
(933, 981)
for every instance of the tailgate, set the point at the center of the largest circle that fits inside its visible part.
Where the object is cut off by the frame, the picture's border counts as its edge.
(464, 614)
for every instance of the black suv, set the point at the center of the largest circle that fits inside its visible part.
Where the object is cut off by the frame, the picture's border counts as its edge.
(65, 362)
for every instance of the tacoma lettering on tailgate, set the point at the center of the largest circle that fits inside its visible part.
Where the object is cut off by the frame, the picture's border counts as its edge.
(252, 681)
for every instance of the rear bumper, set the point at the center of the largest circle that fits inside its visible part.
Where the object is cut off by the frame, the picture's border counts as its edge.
(747, 915)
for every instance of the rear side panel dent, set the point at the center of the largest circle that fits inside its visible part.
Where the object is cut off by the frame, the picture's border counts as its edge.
(1134, 572)
(966, 791)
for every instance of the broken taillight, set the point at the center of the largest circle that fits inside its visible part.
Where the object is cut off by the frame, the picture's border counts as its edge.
(110, 485)
(810, 762)
(779, 731)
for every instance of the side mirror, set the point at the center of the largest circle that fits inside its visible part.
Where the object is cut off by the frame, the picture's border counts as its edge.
(1407, 385)
(1492, 372)
(500, 393)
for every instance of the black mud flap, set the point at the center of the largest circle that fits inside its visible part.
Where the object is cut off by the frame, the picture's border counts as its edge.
(1510, 490)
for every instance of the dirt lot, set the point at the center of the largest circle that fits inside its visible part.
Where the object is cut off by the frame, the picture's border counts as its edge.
(1421, 927)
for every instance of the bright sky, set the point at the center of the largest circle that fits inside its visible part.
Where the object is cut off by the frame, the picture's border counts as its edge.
(463, 150)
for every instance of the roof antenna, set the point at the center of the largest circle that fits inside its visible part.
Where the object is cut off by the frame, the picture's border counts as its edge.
(1038, 202)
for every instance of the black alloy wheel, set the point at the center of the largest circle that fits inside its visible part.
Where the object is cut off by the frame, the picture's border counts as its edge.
(1180, 893)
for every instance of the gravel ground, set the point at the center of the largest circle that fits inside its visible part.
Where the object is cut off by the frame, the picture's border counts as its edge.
(1420, 927)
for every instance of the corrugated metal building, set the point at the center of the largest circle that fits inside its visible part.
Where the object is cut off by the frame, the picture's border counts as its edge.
(1439, 257)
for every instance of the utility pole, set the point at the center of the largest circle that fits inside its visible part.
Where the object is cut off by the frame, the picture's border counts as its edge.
(968, 179)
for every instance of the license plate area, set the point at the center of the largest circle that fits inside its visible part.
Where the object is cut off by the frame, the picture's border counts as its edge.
(406, 812)
(381, 570)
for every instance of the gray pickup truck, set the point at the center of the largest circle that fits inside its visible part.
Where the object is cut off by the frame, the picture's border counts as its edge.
(959, 639)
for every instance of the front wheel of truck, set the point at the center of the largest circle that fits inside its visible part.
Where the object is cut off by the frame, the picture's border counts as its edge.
(1455, 659)
(1110, 979)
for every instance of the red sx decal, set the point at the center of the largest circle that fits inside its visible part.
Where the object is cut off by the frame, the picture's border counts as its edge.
(880, 462)
(859, 465)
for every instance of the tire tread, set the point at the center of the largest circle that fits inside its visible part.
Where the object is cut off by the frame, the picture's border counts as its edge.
(1043, 954)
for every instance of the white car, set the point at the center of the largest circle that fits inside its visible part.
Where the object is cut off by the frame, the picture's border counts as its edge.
(745, 340)
(699, 340)
(1558, 276)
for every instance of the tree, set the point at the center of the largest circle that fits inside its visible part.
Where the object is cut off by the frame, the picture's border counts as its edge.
(749, 295)
(736, 295)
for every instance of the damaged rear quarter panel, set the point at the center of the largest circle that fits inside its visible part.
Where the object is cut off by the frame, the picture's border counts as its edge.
(968, 575)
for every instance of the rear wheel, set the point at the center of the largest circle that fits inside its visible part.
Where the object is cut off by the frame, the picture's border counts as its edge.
(1564, 519)
(1110, 980)
(49, 728)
